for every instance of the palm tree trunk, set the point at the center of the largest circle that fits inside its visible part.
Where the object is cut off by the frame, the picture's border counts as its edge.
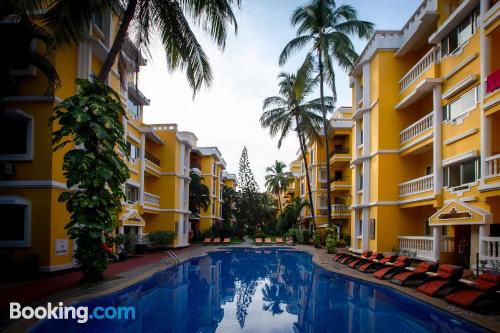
(308, 181)
(279, 203)
(325, 133)
(128, 15)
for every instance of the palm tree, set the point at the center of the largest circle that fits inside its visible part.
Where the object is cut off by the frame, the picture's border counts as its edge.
(290, 112)
(291, 213)
(325, 29)
(277, 180)
(71, 21)
(199, 194)
(18, 30)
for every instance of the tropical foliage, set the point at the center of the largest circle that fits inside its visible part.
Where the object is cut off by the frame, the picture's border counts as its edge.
(161, 238)
(18, 30)
(277, 180)
(94, 171)
(291, 214)
(291, 112)
(325, 30)
(199, 194)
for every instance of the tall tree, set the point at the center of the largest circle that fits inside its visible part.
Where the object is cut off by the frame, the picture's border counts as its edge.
(229, 202)
(291, 112)
(172, 20)
(277, 180)
(248, 203)
(18, 30)
(199, 194)
(326, 30)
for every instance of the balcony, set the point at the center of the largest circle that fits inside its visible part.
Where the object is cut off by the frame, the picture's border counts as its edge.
(415, 186)
(430, 58)
(414, 133)
(340, 210)
(490, 249)
(492, 96)
(151, 199)
(323, 183)
(152, 158)
(340, 184)
(422, 247)
(340, 154)
(493, 165)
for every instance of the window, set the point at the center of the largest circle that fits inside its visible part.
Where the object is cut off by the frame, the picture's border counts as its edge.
(213, 168)
(322, 202)
(132, 193)
(312, 156)
(16, 211)
(360, 227)
(98, 21)
(461, 173)
(461, 105)
(428, 170)
(338, 175)
(134, 107)
(360, 185)
(313, 177)
(360, 137)
(460, 34)
(322, 175)
(133, 152)
(302, 188)
(16, 135)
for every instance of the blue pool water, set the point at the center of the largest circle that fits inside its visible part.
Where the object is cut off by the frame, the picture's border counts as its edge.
(262, 290)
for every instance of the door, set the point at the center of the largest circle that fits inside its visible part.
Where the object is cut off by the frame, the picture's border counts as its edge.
(462, 245)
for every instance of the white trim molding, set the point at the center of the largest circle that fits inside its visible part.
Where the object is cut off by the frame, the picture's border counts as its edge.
(30, 134)
(33, 184)
(461, 136)
(460, 158)
(459, 86)
(461, 65)
(18, 201)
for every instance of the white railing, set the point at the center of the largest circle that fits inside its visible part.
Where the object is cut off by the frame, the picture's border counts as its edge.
(493, 165)
(414, 186)
(151, 199)
(143, 239)
(491, 248)
(416, 128)
(420, 67)
(447, 244)
(340, 208)
(420, 246)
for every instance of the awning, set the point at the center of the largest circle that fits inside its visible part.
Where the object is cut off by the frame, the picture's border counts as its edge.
(460, 213)
(132, 219)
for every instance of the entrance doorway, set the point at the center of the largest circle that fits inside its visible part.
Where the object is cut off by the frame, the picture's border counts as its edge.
(462, 245)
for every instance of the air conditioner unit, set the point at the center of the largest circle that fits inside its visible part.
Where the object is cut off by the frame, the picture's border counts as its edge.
(7, 169)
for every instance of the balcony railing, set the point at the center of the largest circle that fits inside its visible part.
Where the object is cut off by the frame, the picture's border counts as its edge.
(420, 67)
(416, 128)
(339, 150)
(151, 199)
(340, 208)
(414, 186)
(423, 246)
(493, 165)
(491, 246)
(152, 158)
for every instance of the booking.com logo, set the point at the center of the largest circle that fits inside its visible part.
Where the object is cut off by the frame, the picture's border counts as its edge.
(80, 313)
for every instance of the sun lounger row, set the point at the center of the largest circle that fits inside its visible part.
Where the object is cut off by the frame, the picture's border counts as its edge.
(216, 240)
(268, 241)
(429, 278)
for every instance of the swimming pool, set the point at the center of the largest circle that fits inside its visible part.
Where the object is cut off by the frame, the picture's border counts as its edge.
(264, 290)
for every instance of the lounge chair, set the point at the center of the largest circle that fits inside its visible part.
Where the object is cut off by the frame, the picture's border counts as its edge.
(411, 276)
(289, 241)
(470, 296)
(279, 240)
(358, 262)
(370, 267)
(446, 278)
(216, 240)
(390, 269)
(207, 241)
(350, 257)
(227, 241)
(258, 241)
(268, 241)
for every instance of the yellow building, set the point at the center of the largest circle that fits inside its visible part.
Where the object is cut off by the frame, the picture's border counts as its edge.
(209, 164)
(293, 189)
(31, 177)
(339, 136)
(425, 163)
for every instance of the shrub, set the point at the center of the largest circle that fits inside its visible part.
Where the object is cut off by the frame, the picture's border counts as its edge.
(259, 234)
(316, 239)
(347, 239)
(302, 236)
(331, 243)
(161, 238)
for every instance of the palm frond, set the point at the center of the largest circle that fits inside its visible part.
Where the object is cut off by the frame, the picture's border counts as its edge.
(41, 62)
(293, 46)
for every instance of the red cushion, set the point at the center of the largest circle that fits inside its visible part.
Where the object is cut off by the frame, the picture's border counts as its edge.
(381, 272)
(403, 276)
(488, 280)
(448, 271)
(364, 266)
(385, 259)
(373, 256)
(432, 287)
(400, 263)
(354, 262)
(464, 297)
(423, 267)
(366, 253)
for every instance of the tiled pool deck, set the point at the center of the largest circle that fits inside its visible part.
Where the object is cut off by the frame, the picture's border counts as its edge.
(125, 278)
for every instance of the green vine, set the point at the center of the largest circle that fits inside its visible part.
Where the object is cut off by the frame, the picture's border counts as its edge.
(91, 120)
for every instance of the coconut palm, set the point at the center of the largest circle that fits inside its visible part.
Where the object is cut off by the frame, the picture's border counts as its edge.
(291, 112)
(291, 213)
(199, 194)
(277, 180)
(18, 30)
(325, 29)
(171, 20)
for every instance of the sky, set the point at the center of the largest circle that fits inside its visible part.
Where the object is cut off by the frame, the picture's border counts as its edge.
(227, 113)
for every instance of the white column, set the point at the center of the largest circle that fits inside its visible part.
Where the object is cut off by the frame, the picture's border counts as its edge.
(121, 230)
(355, 139)
(364, 227)
(355, 231)
(142, 168)
(484, 231)
(485, 122)
(436, 157)
(84, 60)
(366, 85)
(436, 242)
(140, 231)
(355, 185)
